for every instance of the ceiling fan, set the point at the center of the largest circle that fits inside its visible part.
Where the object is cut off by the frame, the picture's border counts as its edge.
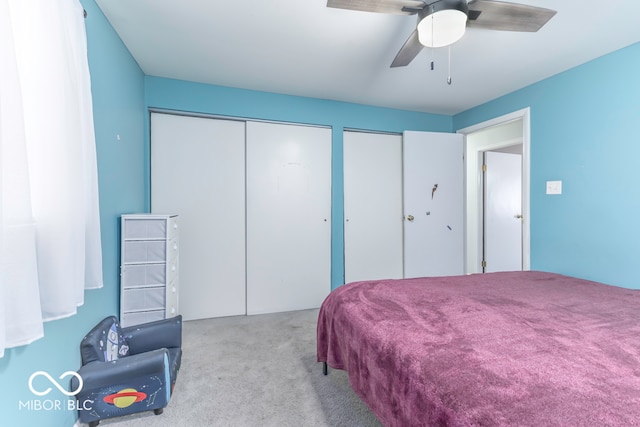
(443, 22)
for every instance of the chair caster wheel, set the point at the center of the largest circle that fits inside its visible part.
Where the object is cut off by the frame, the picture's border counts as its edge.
(94, 423)
(158, 411)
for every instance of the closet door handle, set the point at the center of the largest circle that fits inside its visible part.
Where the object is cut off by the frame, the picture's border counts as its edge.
(410, 218)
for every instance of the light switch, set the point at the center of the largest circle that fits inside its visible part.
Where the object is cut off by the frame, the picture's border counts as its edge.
(554, 187)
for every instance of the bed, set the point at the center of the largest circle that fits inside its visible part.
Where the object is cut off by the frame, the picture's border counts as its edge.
(498, 349)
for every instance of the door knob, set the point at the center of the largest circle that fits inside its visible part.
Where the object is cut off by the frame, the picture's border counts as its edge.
(410, 218)
(518, 216)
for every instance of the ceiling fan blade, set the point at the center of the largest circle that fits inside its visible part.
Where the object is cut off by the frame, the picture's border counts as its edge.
(409, 50)
(497, 15)
(399, 7)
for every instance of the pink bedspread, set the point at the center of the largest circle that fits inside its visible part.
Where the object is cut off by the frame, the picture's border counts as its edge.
(499, 349)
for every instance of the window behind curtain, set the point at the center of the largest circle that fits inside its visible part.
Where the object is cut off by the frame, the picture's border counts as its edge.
(50, 230)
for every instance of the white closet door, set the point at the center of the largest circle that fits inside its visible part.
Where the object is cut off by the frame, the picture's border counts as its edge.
(197, 172)
(433, 204)
(372, 206)
(288, 217)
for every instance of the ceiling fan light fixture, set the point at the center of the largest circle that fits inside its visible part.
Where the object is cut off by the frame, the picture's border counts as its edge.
(442, 23)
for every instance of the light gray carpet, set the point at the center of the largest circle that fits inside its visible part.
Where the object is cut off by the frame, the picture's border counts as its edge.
(256, 371)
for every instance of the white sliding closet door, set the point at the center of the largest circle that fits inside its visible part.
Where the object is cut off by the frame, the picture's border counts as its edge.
(197, 172)
(288, 217)
(372, 206)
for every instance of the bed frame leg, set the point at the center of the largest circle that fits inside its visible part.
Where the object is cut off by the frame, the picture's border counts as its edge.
(325, 369)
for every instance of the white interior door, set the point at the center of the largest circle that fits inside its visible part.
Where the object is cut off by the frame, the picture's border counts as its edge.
(372, 206)
(197, 172)
(433, 204)
(502, 212)
(288, 217)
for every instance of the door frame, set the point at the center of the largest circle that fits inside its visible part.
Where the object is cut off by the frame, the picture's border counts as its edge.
(473, 188)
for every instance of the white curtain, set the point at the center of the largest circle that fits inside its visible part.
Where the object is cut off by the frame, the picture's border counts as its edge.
(50, 234)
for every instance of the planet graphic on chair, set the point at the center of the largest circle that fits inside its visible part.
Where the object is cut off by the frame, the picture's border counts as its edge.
(125, 397)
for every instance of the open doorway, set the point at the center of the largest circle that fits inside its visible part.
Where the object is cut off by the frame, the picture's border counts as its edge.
(508, 133)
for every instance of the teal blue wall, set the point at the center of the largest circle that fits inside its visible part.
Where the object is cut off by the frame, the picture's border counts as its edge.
(199, 98)
(118, 98)
(583, 132)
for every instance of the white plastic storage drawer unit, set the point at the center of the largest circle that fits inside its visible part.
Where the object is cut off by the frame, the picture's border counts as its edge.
(149, 268)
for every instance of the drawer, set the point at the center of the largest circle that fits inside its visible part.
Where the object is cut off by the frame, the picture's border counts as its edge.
(143, 275)
(129, 319)
(143, 299)
(144, 251)
(145, 229)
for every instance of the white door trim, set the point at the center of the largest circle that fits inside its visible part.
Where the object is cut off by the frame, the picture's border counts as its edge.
(473, 252)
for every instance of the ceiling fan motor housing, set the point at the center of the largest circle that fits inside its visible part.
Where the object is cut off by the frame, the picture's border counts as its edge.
(437, 6)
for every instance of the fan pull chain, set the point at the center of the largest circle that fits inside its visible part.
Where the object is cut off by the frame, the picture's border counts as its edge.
(431, 48)
(449, 76)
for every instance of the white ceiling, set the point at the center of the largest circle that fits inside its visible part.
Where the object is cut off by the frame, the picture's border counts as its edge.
(301, 47)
